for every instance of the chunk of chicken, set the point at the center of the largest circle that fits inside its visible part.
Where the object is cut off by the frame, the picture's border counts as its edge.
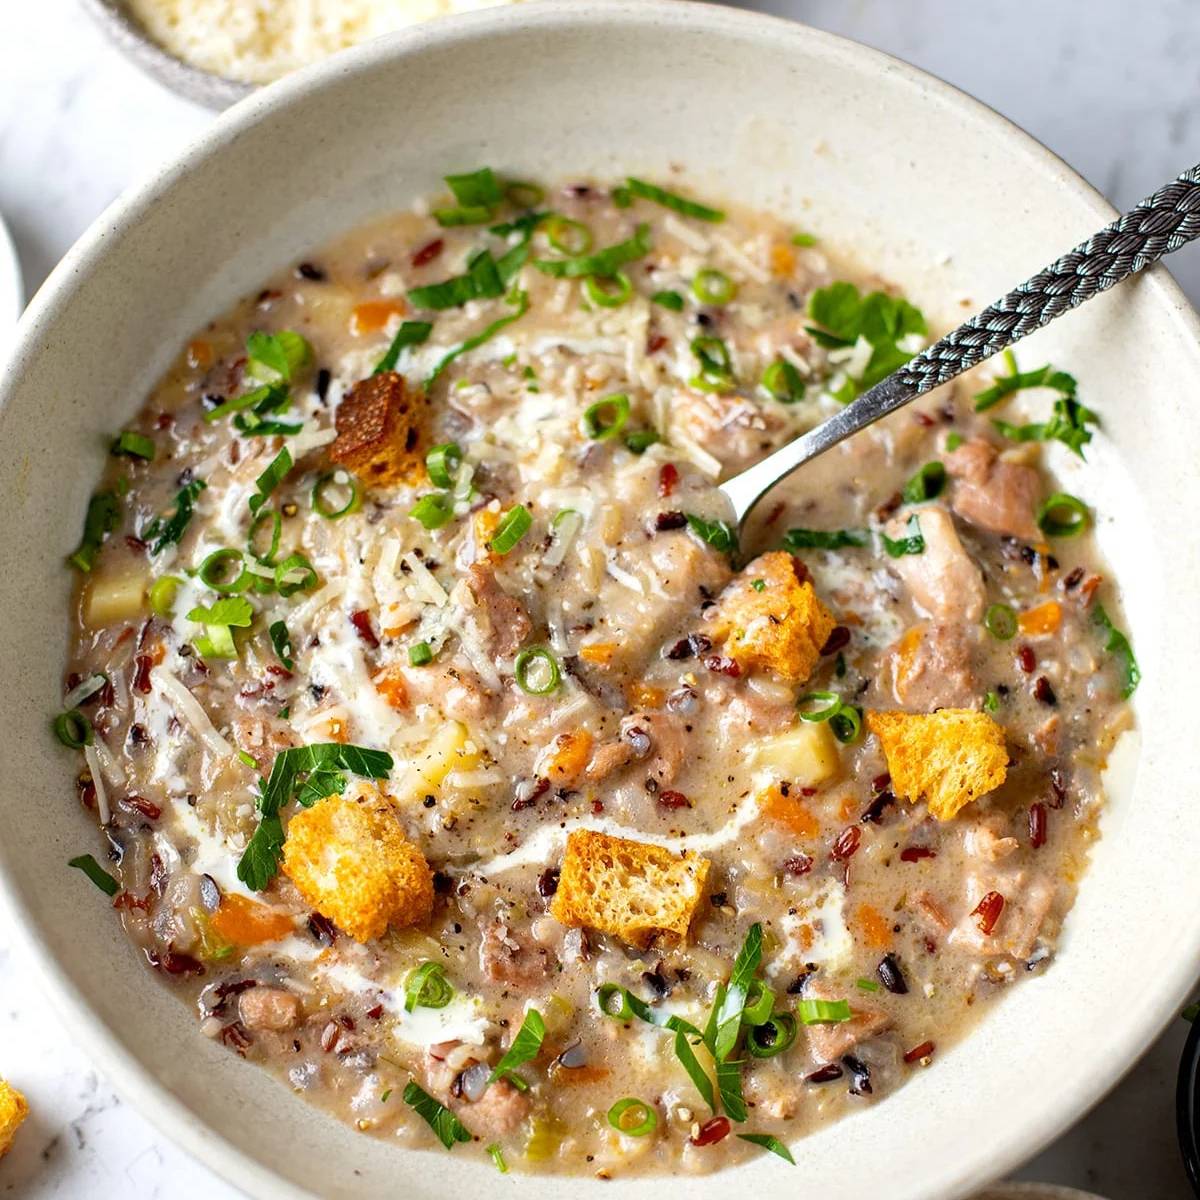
(999, 496)
(269, 1008)
(930, 666)
(497, 1113)
(506, 959)
(944, 580)
(1027, 903)
(501, 619)
(654, 739)
(829, 1042)
(735, 431)
(454, 690)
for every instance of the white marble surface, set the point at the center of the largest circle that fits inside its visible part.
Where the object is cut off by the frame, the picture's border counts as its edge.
(1113, 87)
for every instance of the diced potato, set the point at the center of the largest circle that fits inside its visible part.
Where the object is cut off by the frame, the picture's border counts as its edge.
(450, 749)
(805, 755)
(116, 596)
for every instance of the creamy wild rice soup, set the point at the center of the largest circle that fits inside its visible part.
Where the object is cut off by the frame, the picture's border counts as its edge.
(456, 763)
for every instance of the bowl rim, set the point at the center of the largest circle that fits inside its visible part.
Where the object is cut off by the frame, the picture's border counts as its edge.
(1003, 1152)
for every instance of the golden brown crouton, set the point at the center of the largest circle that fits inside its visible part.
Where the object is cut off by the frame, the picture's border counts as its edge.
(770, 618)
(948, 758)
(380, 429)
(13, 1110)
(350, 860)
(626, 888)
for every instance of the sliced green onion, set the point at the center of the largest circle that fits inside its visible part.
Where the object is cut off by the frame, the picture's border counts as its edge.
(96, 873)
(953, 441)
(329, 482)
(524, 195)
(410, 333)
(773, 1036)
(433, 510)
(759, 585)
(766, 1140)
(866, 985)
(759, 1002)
(427, 987)
(1117, 644)
(803, 239)
(604, 995)
(216, 571)
(420, 654)
(567, 235)
(270, 479)
(442, 463)
(277, 355)
(696, 1073)
(281, 642)
(830, 702)
(1000, 621)
(73, 729)
(823, 1012)
(606, 418)
(103, 516)
(162, 595)
(716, 367)
(782, 382)
(168, 530)
(685, 207)
(496, 1152)
(518, 299)
(597, 289)
(475, 187)
(718, 534)
(536, 671)
(470, 214)
(713, 287)
(514, 525)
(1062, 515)
(668, 299)
(275, 521)
(846, 724)
(926, 484)
(912, 543)
(640, 440)
(134, 445)
(632, 1117)
(604, 262)
(295, 562)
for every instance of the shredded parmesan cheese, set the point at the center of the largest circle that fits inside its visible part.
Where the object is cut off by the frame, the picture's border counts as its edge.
(189, 709)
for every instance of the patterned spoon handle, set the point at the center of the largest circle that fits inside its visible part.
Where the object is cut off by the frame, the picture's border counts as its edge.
(1159, 225)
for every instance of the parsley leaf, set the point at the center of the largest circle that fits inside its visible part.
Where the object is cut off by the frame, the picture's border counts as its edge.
(440, 1119)
(166, 531)
(525, 1046)
(768, 1142)
(231, 610)
(720, 535)
(823, 539)
(273, 357)
(1068, 424)
(912, 543)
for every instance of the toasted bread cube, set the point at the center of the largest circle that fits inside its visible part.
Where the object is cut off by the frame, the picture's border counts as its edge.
(947, 758)
(380, 430)
(350, 860)
(771, 619)
(629, 889)
(13, 1111)
(806, 755)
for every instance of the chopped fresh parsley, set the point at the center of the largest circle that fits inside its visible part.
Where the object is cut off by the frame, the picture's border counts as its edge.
(276, 357)
(219, 621)
(167, 530)
(768, 1142)
(926, 484)
(437, 1116)
(913, 541)
(720, 535)
(823, 539)
(1068, 424)
(1016, 381)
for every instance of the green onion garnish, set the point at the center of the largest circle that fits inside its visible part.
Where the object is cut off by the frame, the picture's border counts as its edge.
(276, 356)
(281, 642)
(103, 516)
(566, 235)
(1117, 644)
(134, 445)
(475, 187)
(270, 479)
(1000, 621)
(274, 522)
(687, 208)
(525, 1047)
(912, 543)
(599, 294)
(166, 531)
(803, 239)
(718, 534)
(632, 1117)
(225, 571)
(991, 702)
(96, 873)
(713, 287)
(607, 417)
(438, 1117)
(482, 280)
(765, 1140)
(846, 723)
(335, 483)
(514, 525)
(716, 367)
(162, 595)
(823, 1012)
(782, 382)
(410, 333)
(497, 1156)
(1016, 381)
(1068, 424)
(536, 671)
(605, 263)
(760, 1001)
(866, 985)
(463, 215)
(773, 1036)
(73, 729)
(517, 298)
(823, 539)
(926, 484)
(420, 654)
(427, 987)
(640, 440)
(668, 299)
(442, 463)
(295, 563)
(1062, 515)
(524, 195)
(829, 703)
(433, 510)
(953, 441)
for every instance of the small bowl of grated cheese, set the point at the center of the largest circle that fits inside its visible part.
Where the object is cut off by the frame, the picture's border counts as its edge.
(215, 52)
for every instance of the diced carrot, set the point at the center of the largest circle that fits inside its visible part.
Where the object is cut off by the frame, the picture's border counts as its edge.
(247, 923)
(875, 928)
(847, 617)
(568, 756)
(643, 695)
(600, 653)
(783, 259)
(805, 936)
(787, 810)
(1041, 621)
(389, 683)
(373, 315)
(847, 807)
(486, 522)
(199, 354)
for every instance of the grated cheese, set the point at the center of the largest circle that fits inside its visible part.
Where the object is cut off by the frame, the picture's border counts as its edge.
(188, 707)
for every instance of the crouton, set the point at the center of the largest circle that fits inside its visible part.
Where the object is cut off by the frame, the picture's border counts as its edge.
(13, 1111)
(380, 429)
(627, 888)
(769, 618)
(350, 860)
(948, 758)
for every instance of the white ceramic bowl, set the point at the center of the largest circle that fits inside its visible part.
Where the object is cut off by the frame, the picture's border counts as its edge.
(939, 194)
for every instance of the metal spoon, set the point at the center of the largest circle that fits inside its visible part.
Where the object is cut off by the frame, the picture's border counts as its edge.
(1157, 226)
